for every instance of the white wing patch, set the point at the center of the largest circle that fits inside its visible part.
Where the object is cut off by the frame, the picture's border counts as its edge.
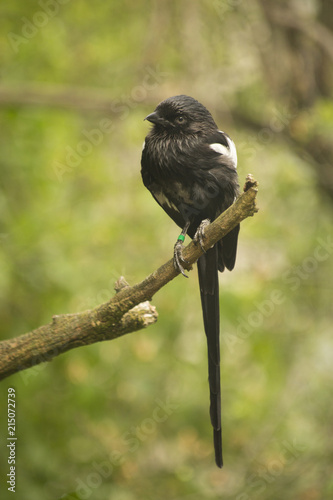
(143, 145)
(219, 148)
(164, 201)
(229, 151)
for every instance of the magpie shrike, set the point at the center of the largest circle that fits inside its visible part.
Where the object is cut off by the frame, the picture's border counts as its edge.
(189, 166)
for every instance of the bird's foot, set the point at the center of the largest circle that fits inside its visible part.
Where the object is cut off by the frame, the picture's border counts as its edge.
(178, 258)
(200, 234)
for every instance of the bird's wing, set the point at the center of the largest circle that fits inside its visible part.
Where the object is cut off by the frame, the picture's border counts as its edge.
(223, 145)
(227, 248)
(224, 169)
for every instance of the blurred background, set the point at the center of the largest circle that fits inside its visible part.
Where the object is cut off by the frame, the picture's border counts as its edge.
(129, 419)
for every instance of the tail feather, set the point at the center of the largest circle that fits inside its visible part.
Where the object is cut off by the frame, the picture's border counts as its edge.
(218, 448)
(209, 291)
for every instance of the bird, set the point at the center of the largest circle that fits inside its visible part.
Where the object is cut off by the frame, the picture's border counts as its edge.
(190, 168)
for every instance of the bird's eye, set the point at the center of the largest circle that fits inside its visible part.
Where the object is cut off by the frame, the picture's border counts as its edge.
(180, 119)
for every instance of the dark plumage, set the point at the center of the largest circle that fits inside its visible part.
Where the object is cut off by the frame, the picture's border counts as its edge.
(189, 166)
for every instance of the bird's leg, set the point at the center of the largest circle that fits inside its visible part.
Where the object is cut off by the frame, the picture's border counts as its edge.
(200, 234)
(178, 251)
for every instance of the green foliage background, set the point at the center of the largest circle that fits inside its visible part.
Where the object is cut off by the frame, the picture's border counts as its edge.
(129, 419)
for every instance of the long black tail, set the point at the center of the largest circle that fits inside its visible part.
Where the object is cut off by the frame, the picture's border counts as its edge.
(209, 291)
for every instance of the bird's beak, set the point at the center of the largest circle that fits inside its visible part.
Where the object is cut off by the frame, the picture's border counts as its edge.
(154, 118)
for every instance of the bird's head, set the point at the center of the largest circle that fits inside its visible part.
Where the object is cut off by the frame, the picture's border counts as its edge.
(182, 114)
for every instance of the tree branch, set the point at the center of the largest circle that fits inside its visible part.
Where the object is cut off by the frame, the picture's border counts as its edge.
(128, 311)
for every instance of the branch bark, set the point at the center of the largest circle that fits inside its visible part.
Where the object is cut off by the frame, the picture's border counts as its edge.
(128, 311)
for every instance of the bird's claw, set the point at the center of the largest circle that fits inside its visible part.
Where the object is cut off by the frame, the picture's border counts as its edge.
(178, 257)
(200, 234)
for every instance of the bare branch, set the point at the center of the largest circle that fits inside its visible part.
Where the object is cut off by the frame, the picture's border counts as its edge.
(128, 311)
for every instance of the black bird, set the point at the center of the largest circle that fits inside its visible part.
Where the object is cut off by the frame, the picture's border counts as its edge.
(189, 166)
